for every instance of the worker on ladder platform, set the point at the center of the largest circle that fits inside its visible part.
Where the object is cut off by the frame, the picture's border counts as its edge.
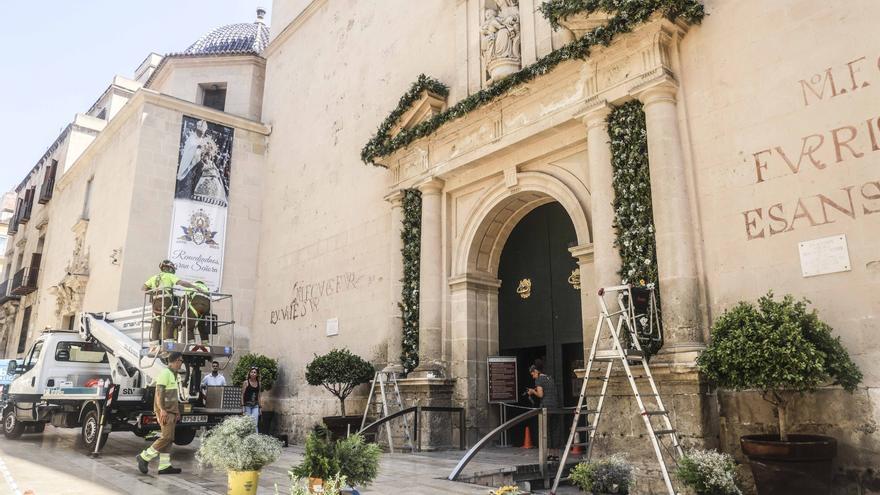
(195, 309)
(164, 302)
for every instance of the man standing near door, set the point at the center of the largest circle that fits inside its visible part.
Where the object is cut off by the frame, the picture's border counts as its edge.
(545, 392)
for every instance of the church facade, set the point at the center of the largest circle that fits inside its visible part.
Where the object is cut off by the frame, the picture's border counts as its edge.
(761, 143)
(433, 183)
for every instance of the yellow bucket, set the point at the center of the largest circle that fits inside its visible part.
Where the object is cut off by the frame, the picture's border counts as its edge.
(243, 482)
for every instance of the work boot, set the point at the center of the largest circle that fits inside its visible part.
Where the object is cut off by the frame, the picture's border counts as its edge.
(152, 436)
(169, 470)
(143, 464)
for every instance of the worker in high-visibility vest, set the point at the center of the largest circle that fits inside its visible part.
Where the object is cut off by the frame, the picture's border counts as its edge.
(196, 306)
(164, 303)
(167, 409)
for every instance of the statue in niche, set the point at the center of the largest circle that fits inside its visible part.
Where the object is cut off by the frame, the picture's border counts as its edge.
(500, 39)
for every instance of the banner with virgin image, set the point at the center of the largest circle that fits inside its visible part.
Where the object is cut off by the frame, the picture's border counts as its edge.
(201, 197)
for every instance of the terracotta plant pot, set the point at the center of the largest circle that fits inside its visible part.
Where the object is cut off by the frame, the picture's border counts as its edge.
(801, 465)
(243, 482)
(316, 485)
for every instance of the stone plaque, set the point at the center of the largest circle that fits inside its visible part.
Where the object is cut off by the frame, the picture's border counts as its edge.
(502, 379)
(332, 327)
(825, 255)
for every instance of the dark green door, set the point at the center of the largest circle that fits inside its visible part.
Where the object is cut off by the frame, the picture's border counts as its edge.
(539, 310)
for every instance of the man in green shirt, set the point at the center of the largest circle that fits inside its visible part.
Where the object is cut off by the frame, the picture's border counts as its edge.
(165, 405)
(160, 287)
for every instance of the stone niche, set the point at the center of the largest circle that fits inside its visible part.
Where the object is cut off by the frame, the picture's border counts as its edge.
(500, 39)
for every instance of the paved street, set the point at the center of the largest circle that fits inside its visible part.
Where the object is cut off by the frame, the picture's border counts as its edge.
(55, 463)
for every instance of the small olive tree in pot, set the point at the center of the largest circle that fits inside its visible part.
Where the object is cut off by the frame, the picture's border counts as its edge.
(339, 371)
(782, 350)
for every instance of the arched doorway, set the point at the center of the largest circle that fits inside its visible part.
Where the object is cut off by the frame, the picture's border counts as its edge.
(539, 302)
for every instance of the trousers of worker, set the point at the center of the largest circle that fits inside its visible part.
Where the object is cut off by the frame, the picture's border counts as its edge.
(163, 323)
(162, 446)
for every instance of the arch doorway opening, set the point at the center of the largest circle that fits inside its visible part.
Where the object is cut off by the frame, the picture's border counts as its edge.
(539, 305)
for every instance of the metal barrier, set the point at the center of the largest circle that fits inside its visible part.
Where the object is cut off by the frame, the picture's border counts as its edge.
(542, 415)
(417, 411)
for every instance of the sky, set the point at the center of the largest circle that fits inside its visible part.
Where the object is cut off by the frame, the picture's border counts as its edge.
(60, 55)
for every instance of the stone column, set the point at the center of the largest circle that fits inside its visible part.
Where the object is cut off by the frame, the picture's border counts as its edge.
(673, 220)
(606, 258)
(431, 282)
(395, 277)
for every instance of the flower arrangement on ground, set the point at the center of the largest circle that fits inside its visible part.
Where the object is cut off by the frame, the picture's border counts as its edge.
(708, 472)
(612, 474)
(235, 446)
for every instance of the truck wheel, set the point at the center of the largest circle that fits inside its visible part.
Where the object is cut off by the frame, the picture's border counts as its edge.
(12, 427)
(184, 436)
(90, 426)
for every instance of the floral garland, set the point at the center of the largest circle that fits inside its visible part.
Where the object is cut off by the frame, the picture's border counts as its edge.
(633, 214)
(409, 301)
(423, 83)
(627, 15)
(556, 10)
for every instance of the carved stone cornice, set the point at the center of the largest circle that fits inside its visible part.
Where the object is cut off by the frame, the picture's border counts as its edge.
(583, 253)
(474, 281)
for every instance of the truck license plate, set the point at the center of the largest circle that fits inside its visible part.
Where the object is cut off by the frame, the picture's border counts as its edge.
(194, 419)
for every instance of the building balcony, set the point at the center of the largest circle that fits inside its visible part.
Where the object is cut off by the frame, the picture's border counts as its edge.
(24, 281)
(5, 293)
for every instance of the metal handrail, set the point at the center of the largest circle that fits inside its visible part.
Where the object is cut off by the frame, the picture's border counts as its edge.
(469, 455)
(417, 413)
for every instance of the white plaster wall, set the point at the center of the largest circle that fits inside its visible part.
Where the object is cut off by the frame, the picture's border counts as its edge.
(327, 88)
(743, 98)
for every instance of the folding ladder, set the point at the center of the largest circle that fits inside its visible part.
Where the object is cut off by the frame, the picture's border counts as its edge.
(378, 401)
(650, 404)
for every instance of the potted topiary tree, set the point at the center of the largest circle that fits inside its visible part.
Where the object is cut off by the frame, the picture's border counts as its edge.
(236, 446)
(340, 371)
(782, 350)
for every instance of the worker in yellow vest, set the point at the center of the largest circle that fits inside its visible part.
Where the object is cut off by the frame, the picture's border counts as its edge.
(167, 409)
(196, 306)
(164, 302)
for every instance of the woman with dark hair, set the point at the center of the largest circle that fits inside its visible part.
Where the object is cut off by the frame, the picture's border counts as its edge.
(545, 393)
(250, 395)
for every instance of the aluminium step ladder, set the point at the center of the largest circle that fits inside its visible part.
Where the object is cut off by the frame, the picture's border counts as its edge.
(622, 319)
(378, 401)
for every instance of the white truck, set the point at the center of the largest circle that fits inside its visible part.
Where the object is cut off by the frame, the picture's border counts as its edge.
(100, 378)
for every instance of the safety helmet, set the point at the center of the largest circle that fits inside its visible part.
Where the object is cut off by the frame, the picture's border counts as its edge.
(167, 266)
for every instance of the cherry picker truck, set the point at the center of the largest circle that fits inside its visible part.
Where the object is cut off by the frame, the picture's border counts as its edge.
(100, 378)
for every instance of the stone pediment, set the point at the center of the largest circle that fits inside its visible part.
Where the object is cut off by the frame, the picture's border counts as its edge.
(546, 106)
(581, 24)
(428, 105)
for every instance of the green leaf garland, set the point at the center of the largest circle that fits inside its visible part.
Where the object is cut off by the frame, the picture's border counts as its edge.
(627, 14)
(633, 214)
(409, 301)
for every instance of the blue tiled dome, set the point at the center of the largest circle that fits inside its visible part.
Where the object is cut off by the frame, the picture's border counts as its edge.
(234, 38)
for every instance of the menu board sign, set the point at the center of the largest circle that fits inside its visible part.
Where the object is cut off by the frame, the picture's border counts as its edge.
(502, 379)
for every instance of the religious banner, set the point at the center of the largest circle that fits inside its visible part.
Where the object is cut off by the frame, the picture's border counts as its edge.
(201, 197)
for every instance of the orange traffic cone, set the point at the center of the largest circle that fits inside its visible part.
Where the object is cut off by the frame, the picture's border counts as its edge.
(527, 441)
(577, 449)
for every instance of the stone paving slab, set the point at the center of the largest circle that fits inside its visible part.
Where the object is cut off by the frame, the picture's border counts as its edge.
(56, 463)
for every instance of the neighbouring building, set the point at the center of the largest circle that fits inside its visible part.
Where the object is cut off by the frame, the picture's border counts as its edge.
(474, 211)
(94, 216)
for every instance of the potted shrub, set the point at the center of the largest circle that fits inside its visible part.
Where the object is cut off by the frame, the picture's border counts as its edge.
(708, 472)
(351, 457)
(612, 474)
(235, 446)
(782, 350)
(340, 371)
(332, 486)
